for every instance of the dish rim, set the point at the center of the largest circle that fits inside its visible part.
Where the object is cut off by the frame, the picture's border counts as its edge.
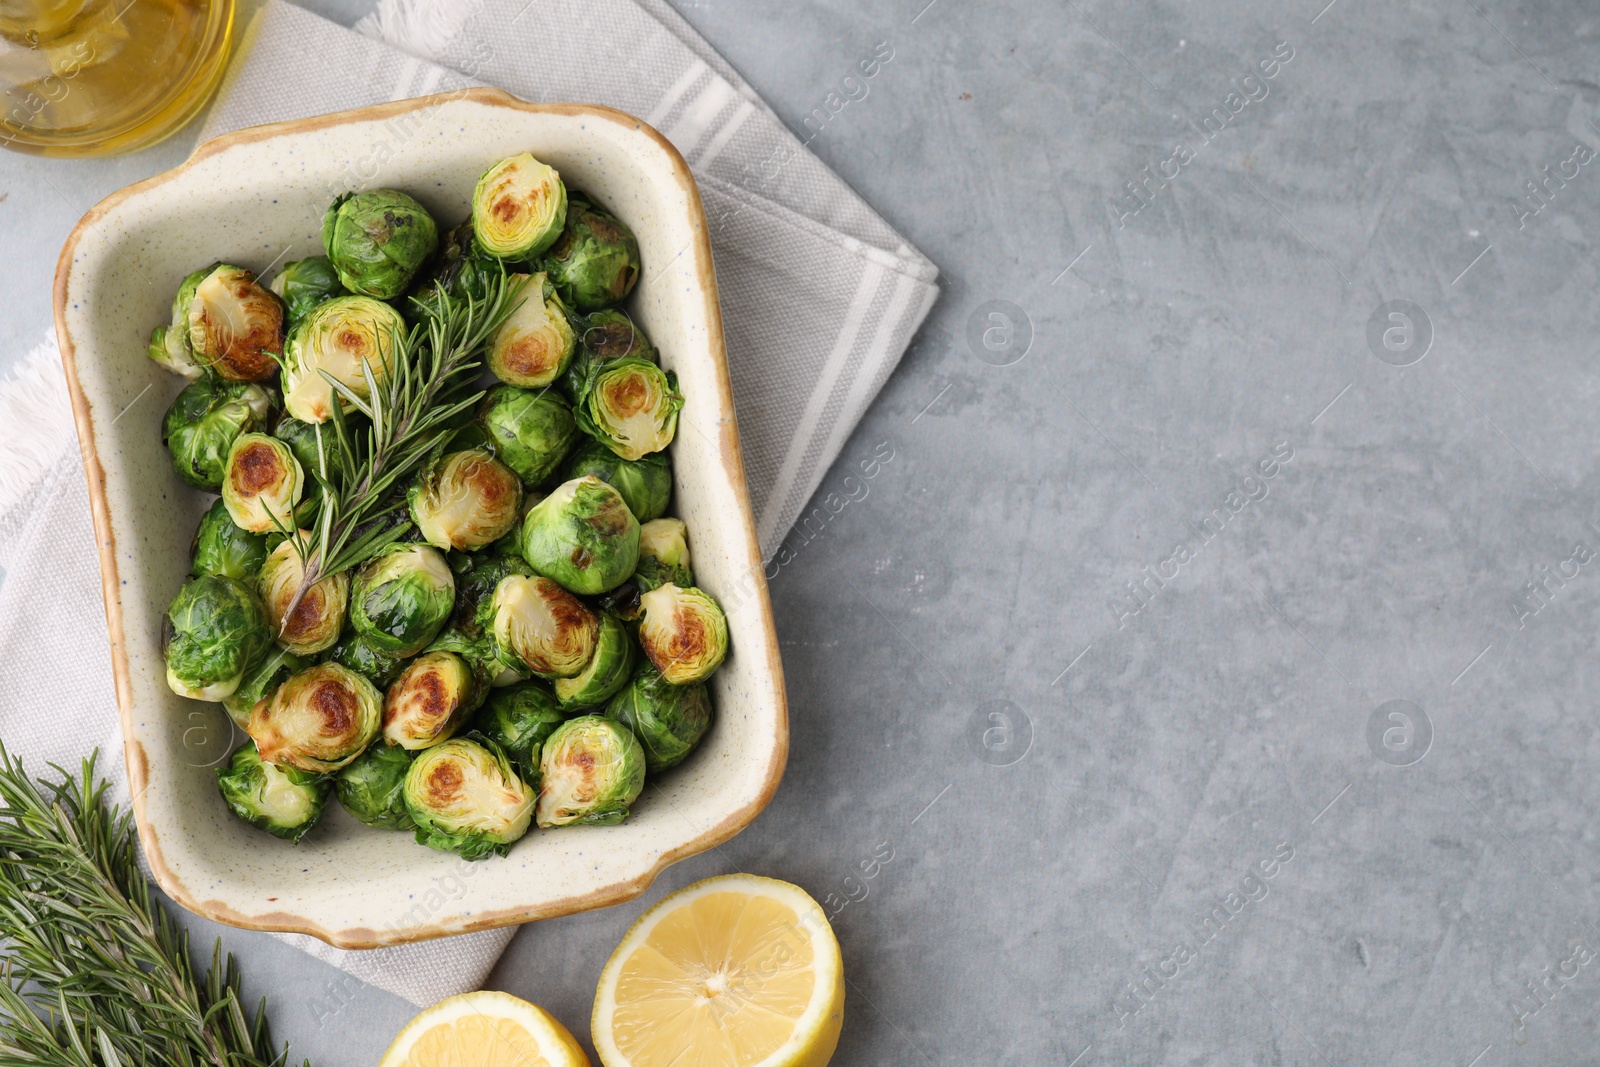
(732, 458)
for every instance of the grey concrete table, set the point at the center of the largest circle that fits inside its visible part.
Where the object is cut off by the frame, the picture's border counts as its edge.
(1212, 654)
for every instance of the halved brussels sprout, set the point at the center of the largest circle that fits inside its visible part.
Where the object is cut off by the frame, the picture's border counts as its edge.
(532, 430)
(402, 597)
(606, 672)
(173, 339)
(465, 797)
(169, 348)
(631, 406)
(261, 681)
(519, 718)
(263, 483)
(214, 630)
(475, 586)
(304, 283)
(430, 700)
(518, 208)
(546, 628)
(235, 325)
(465, 500)
(338, 336)
(319, 719)
(606, 335)
(379, 668)
(536, 343)
(591, 770)
(204, 421)
(669, 720)
(645, 484)
(595, 261)
(663, 555)
(373, 788)
(220, 547)
(283, 801)
(378, 240)
(469, 631)
(583, 536)
(315, 623)
(684, 633)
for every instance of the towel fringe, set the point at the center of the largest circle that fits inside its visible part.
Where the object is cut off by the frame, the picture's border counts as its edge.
(423, 28)
(35, 421)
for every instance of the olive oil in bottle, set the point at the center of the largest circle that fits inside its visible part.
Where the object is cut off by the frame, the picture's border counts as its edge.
(98, 77)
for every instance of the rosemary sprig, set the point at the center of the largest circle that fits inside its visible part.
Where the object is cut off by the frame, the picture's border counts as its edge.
(410, 412)
(98, 975)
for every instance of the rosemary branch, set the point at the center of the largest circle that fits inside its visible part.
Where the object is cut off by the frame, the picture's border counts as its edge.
(96, 973)
(410, 414)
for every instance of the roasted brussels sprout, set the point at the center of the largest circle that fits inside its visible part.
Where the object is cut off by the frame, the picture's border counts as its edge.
(606, 672)
(583, 536)
(591, 770)
(338, 336)
(215, 629)
(203, 422)
(262, 484)
(460, 268)
(536, 344)
(663, 554)
(224, 321)
(465, 797)
(319, 719)
(469, 633)
(430, 700)
(169, 345)
(684, 633)
(543, 627)
(519, 718)
(669, 720)
(645, 484)
(378, 240)
(169, 348)
(302, 284)
(315, 622)
(261, 681)
(373, 788)
(465, 500)
(220, 547)
(475, 586)
(301, 437)
(606, 335)
(283, 801)
(532, 430)
(377, 667)
(631, 405)
(595, 261)
(518, 208)
(401, 598)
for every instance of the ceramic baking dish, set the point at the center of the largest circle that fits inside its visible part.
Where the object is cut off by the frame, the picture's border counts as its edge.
(256, 197)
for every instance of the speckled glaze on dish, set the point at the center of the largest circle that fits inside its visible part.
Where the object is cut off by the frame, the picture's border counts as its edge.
(256, 197)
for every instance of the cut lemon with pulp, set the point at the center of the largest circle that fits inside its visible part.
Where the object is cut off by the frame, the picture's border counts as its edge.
(485, 1029)
(736, 971)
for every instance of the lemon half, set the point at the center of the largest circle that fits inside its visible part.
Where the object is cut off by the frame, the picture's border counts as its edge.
(485, 1029)
(736, 971)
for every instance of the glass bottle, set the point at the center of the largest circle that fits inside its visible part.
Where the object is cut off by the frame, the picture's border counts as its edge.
(98, 77)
